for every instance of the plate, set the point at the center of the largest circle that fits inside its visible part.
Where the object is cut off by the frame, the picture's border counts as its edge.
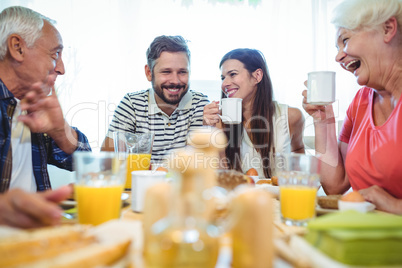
(361, 207)
(274, 190)
(66, 204)
(321, 211)
(358, 206)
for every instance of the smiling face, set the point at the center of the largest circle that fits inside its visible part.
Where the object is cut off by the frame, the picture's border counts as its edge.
(359, 52)
(237, 82)
(170, 77)
(43, 62)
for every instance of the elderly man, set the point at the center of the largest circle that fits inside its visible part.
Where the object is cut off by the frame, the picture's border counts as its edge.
(169, 109)
(33, 130)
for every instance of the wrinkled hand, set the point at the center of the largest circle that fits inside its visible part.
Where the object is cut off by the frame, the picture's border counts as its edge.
(211, 114)
(44, 112)
(44, 115)
(382, 199)
(30, 210)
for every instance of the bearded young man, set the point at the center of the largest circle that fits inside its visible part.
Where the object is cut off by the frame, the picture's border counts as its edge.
(168, 109)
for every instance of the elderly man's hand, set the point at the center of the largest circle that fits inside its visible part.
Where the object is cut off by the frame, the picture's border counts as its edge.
(29, 210)
(44, 111)
(44, 115)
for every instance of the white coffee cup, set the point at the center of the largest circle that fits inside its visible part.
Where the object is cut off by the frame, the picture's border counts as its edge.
(321, 88)
(231, 110)
(141, 181)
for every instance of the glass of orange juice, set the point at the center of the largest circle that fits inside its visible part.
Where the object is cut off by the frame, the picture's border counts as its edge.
(298, 179)
(136, 148)
(98, 186)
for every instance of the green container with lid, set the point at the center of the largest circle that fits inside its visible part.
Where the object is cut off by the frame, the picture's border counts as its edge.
(351, 237)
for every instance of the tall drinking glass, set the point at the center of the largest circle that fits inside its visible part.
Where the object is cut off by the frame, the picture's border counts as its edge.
(136, 148)
(298, 179)
(98, 186)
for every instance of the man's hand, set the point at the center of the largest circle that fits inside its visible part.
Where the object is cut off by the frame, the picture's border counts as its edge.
(30, 210)
(44, 115)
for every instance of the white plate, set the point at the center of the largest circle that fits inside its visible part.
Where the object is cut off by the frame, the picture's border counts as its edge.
(358, 206)
(361, 207)
(274, 190)
(72, 203)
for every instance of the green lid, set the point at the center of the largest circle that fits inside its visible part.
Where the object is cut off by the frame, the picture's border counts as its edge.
(351, 219)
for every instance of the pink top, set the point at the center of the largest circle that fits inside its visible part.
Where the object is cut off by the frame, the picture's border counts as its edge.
(374, 154)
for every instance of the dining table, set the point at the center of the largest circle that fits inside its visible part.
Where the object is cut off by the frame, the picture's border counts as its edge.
(291, 249)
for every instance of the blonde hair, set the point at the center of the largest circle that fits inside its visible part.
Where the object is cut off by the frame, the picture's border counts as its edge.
(368, 14)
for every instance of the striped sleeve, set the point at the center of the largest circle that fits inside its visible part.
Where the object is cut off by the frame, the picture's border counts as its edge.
(199, 102)
(124, 118)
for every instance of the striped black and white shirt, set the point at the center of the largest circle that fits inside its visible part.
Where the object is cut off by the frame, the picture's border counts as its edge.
(138, 112)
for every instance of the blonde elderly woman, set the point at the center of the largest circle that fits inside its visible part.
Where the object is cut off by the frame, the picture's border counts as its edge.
(368, 155)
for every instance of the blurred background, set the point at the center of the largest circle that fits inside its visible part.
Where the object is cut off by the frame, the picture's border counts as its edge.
(105, 43)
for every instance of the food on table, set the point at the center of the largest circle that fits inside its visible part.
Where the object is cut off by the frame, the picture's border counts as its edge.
(329, 201)
(363, 239)
(274, 180)
(62, 246)
(354, 201)
(354, 196)
(266, 184)
(230, 179)
(249, 179)
(162, 169)
(252, 172)
(252, 230)
(264, 181)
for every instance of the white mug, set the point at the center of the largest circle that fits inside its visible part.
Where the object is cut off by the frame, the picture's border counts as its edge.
(231, 110)
(321, 88)
(141, 181)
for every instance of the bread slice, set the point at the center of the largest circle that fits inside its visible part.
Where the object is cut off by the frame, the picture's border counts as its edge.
(30, 245)
(94, 255)
(264, 181)
(230, 179)
(329, 201)
(61, 246)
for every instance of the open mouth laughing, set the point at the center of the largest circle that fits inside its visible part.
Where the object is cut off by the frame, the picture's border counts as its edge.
(230, 92)
(352, 65)
(174, 89)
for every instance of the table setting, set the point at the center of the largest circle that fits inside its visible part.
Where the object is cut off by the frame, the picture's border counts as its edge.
(199, 215)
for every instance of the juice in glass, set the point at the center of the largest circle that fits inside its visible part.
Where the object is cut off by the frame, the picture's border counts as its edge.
(97, 205)
(136, 162)
(297, 202)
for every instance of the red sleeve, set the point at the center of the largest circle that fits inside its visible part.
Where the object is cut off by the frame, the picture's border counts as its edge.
(361, 98)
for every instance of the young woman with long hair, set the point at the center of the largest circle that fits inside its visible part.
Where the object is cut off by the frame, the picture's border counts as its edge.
(267, 126)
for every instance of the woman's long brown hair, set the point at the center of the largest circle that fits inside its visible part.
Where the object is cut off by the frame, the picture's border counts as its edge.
(261, 124)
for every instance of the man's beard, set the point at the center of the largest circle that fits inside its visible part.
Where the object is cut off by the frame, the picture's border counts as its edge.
(159, 91)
